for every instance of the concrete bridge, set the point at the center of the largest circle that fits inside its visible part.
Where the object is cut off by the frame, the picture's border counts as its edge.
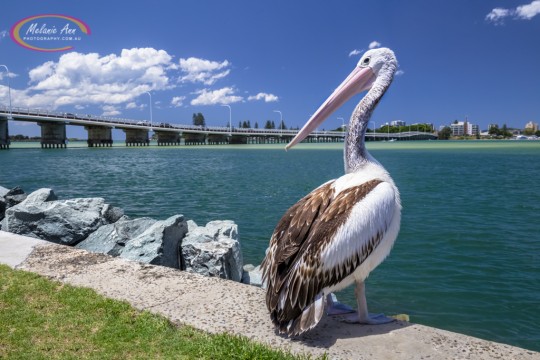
(53, 131)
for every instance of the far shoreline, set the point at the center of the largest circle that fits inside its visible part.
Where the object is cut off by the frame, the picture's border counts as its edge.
(371, 145)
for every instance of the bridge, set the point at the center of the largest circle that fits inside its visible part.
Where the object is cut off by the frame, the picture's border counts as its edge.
(53, 131)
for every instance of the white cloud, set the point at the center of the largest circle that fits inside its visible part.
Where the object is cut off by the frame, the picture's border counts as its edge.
(3, 34)
(3, 74)
(374, 44)
(119, 81)
(203, 71)
(400, 72)
(528, 11)
(354, 52)
(522, 12)
(264, 96)
(110, 110)
(497, 15)
(81, 79)
(177, 101)
(216, 97)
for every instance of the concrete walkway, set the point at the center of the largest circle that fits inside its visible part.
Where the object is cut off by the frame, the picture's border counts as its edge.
(217, 305)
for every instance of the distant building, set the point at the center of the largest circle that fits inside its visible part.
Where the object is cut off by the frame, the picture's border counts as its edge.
(398, 123)
(532, 125)
(463, 128)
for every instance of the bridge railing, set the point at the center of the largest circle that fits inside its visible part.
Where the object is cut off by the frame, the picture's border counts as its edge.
(193, 128)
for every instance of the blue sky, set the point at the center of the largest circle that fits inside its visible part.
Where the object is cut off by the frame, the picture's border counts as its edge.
(458, 58)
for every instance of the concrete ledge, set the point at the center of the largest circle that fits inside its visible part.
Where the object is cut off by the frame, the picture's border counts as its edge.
(217, 305)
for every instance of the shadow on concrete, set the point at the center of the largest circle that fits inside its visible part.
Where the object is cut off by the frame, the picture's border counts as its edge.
(334, 328)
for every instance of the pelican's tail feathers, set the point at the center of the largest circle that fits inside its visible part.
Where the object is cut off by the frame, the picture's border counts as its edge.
(309, 317)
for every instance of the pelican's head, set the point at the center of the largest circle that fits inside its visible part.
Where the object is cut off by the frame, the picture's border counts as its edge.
(375, 64)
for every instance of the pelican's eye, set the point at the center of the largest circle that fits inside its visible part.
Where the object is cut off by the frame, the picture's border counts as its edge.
(366, 61)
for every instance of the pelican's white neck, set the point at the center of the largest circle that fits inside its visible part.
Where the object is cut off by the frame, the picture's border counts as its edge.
(355, 153)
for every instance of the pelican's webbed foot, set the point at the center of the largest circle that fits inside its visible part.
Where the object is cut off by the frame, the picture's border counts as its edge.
(371, 319)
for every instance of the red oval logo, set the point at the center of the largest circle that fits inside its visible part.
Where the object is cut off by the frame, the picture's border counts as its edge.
(49, 32)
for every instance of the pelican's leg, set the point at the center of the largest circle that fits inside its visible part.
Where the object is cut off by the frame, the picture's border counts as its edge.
(334, 307)
(362, 316)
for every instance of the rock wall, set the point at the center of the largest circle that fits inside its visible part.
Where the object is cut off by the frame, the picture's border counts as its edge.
(94, 225)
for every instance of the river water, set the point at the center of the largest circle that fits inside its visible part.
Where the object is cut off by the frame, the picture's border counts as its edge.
(467, 258)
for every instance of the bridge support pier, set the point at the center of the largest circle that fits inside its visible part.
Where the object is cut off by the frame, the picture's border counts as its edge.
(53, 135)
(99, 136)
(217, 139)
(167, 138)
(137, 137)
(4, 134)
(194, 139)
(238, 139)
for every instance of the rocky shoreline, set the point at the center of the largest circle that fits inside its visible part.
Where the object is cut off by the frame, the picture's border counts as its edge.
(94, 225)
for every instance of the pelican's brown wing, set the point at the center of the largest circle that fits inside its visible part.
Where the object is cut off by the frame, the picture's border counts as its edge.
(292, 267)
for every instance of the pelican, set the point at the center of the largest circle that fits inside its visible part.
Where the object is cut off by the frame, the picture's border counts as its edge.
(337, 234)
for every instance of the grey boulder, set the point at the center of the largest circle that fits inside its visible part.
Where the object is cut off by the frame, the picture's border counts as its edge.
(159, 244)
(61, 221)
(111, 239)
(253, 275)
(213, 250)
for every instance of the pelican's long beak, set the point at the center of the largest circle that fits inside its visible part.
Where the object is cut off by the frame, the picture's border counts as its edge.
(360, 79)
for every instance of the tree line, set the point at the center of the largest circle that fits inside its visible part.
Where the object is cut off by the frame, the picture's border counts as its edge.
(198, 120)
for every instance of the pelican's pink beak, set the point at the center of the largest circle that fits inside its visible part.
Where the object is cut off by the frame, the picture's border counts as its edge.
(360, 79)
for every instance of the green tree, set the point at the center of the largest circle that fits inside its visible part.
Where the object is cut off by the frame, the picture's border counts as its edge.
(256, 125)
(445, 133)
(494, 130)
(198, 119)
(504, 131)
(282, 126)
(268, 124)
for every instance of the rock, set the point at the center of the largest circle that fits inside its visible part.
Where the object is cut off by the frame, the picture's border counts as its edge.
(40, 196)
(159, 244)
(213, 250)
(61, 221)
(14, 196)
(111, 239)
(3, 191)
(253, 275)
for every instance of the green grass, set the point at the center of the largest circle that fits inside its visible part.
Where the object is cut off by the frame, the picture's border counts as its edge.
(43, 319)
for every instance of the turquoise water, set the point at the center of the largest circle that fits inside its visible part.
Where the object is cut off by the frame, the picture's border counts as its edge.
(468, 255)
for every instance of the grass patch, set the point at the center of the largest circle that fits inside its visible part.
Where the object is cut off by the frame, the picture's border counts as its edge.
(43, 319)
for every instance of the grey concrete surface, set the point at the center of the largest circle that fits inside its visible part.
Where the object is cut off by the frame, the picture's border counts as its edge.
(216, 305)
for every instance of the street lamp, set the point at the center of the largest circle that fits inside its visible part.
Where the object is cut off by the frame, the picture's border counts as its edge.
(230, 118)
(374, 126)
(10, 117)
(151, 120)
(280, 121)
(342, 123)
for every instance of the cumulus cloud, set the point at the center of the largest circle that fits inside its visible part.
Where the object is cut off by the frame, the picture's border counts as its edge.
(133, 105)
(528, 11)
(110, 110)
(222, 96)
(81, 79)
(522, 12)
(177, 101)
(374, 44)
(264, 96)
(3, 34)
(118, 81)
(400, 72)
(4, 75)
(354, 52)
(203, 71)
